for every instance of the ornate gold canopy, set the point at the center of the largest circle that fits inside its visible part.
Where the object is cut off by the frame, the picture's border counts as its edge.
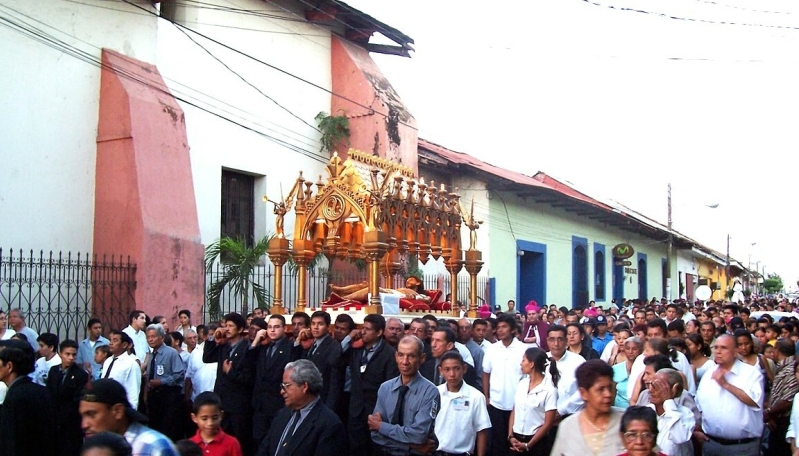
(373, 209)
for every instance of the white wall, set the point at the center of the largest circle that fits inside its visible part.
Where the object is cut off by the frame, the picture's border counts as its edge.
(49, 114)
(50, 103)
(298, 48)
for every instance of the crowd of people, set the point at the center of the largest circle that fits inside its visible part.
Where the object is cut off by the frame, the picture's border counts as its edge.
(638, 378)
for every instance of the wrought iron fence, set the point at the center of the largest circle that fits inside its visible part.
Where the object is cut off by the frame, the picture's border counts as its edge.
(319, 280)
(59, 292)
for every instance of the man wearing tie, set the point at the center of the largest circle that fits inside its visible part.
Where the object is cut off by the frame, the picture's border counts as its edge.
(165, 373)
(404, 417)
(325, 353)
(270, 351)
(65, 383)
(229, 348)
(306, 426)
(123, 367)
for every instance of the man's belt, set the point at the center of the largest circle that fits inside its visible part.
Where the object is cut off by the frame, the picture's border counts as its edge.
(732, 441)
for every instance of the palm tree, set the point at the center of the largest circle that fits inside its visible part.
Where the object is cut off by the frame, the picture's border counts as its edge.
(239, 266)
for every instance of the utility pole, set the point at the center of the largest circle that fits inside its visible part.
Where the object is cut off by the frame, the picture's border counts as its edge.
(729, 279)
(671, 246)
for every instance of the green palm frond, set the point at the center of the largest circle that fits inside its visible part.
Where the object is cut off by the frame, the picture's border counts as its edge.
(239, 265)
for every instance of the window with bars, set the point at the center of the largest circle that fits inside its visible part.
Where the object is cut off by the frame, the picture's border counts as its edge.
(238, 206)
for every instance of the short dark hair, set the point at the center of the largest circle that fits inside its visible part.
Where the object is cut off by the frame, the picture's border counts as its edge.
(278, 317)
(677, 325)
(639, 413)
(20, 353)
(103, 348)
(92, 322)
(449, 334)
(123, 336)
(451, 354)
(236, 318)
(67, 343)
(185, 312)
(347, 320)
(206, 398)
(378, 321)
(430, 317)
(111, 441)
(508, 319)
(658, 323)
(323, 315)
(556, 328)
(590, 371)
(479, 321)
(259, 322)
(658, 362)
(186, 447)
(49, 339)
(786, 346)
(135, 314)
(176, 335)
(304, 316)
(422, 321)
(202, 330)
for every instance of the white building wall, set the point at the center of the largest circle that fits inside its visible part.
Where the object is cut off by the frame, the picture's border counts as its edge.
(49, 113)
(50, 109)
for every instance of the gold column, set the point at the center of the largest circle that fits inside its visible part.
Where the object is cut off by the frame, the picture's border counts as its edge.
(374, 247)
(454, 264)
(474, 262)
(302, 257)
(278, 252)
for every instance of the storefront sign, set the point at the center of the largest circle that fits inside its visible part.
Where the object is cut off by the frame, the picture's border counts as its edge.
(623, 251)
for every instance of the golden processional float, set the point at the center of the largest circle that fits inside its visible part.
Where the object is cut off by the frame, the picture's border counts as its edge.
(373, 209)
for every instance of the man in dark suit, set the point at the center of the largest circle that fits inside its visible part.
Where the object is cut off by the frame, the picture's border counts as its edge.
(325, 353)
(370, 366)
(270, 351)
(65, 383)
(27, 421)
(306, 426)
(229, 348)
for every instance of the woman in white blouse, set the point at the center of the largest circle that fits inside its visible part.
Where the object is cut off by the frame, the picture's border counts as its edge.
(534, 405)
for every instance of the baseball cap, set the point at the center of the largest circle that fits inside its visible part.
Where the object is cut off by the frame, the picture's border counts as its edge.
(600, 320)
(587, 321)
(737, 323)
(110, 392)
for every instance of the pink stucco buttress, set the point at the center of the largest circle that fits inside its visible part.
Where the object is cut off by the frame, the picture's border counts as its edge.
(144, 193)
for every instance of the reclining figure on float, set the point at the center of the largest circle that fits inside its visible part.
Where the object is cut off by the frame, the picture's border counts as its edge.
(412, 297)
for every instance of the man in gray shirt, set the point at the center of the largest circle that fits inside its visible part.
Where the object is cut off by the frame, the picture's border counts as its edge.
(465, 337)
(164, 376)
(404, 417)
(16, 319)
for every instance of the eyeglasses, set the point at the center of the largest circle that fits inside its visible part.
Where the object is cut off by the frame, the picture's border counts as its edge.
(285, 386)
(633, 436)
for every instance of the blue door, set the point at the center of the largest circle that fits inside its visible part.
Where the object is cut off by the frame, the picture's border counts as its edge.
(579, 277)
(643, 293)
(532, 277)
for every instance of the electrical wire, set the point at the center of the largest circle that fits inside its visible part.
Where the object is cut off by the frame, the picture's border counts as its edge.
(274, 67)
(61, 46)
(312, 142)
(688, 19)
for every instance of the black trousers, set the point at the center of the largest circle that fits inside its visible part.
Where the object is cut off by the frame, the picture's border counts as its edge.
(166, 409)
(239, 425)
(499, 431)
(360, 436)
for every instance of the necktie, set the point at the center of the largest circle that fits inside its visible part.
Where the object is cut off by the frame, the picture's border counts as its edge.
(313, 349)
(108, 372)
(152, 366)
(396, 418)
(287, 433)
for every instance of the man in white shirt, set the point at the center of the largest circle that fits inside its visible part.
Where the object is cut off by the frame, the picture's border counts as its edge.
(123, 367)
(675, 422)
(501, 375)
(463, 413)
(200, 376)
(569, 399)
(48, 350)
(138, 321)
(730, 396)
